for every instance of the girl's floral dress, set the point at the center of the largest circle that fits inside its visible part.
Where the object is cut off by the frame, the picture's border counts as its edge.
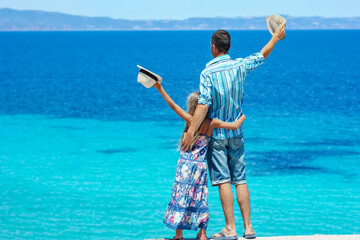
(188, 207)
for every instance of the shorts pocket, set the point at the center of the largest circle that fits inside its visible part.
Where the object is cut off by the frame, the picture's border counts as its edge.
(217, 144)
(236, 142)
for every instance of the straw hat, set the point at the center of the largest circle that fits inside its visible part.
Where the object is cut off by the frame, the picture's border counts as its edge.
(147, 78)
(274, 22)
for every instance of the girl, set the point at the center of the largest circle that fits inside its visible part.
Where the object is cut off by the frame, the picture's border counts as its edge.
(188, 207)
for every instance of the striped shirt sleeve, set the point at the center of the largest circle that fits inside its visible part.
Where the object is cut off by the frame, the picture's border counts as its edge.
(253, 61)
(205, 90)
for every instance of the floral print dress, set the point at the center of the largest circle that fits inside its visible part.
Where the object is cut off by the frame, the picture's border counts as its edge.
(188, 207)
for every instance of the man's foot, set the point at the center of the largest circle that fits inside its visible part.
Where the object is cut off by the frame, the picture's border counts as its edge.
(249, 230)
(250, 236)
(249, 233)
(225, 234)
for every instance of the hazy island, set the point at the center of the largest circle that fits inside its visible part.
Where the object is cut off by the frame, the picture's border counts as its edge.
(31, 20)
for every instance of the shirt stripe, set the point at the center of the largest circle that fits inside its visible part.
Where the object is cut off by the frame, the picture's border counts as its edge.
(222, 89)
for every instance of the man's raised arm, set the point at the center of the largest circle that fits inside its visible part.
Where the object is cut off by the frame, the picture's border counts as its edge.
(278, 35)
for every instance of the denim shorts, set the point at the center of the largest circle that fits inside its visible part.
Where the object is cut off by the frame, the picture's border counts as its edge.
(226, 160)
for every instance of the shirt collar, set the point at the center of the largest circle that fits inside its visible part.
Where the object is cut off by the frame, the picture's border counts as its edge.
(218, 59)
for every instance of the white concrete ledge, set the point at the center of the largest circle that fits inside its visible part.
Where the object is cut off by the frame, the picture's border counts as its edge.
(308, 237)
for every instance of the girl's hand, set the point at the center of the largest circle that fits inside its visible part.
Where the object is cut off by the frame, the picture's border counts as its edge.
(157, 85)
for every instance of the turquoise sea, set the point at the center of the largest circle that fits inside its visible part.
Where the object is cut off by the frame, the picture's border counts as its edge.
(88, 153)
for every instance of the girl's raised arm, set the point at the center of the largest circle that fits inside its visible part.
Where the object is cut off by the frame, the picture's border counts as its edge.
(216, 123)
(183, 114)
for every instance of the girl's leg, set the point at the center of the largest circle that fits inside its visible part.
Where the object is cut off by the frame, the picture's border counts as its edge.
(201, 235)
(178, 234)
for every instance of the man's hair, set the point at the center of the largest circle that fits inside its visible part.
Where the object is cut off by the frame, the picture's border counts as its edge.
(221, 40)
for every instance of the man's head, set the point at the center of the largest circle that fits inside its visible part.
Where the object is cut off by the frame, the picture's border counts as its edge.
(220, 43)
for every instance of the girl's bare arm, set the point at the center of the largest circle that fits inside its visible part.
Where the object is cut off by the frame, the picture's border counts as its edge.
(182, 113)
(216, 123)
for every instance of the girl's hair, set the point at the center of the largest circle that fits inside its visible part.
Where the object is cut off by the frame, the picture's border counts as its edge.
(192, 102)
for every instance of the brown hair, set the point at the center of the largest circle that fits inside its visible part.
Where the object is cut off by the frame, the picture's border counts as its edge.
(192, 102)
(221, 39)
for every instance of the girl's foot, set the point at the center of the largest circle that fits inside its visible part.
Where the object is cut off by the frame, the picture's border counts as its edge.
(178, 235)
(201, 235)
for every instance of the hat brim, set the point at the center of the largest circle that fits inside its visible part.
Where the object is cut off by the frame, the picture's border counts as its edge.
(147, 78)
(271, 30)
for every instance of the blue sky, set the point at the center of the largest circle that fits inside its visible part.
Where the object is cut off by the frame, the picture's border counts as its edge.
(182, 9)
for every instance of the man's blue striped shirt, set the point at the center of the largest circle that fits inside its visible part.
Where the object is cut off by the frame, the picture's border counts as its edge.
(221, 88)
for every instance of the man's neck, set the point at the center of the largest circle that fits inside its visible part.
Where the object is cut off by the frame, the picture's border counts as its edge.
(220, 54)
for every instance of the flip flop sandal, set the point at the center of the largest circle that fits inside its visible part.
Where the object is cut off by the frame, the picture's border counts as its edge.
(250, 236)
(178, 238)
(224, 237)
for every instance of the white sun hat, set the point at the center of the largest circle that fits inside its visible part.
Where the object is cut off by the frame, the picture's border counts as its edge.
(147, 78)
(274, 22)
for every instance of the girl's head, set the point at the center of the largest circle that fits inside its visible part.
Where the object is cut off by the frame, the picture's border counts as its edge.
(192, 102)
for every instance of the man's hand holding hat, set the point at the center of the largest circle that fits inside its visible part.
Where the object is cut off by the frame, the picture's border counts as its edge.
(279, 33)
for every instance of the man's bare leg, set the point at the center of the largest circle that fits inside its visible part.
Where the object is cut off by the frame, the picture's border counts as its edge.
(227, 202)
(243, 198)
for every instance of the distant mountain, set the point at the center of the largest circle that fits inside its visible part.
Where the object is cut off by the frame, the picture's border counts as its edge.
(15, 20)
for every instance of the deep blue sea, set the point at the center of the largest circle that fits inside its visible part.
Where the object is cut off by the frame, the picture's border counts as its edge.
(86, 152)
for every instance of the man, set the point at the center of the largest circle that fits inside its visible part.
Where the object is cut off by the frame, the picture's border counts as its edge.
(221, 88)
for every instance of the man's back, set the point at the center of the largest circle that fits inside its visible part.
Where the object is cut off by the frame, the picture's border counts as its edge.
(221, 87)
